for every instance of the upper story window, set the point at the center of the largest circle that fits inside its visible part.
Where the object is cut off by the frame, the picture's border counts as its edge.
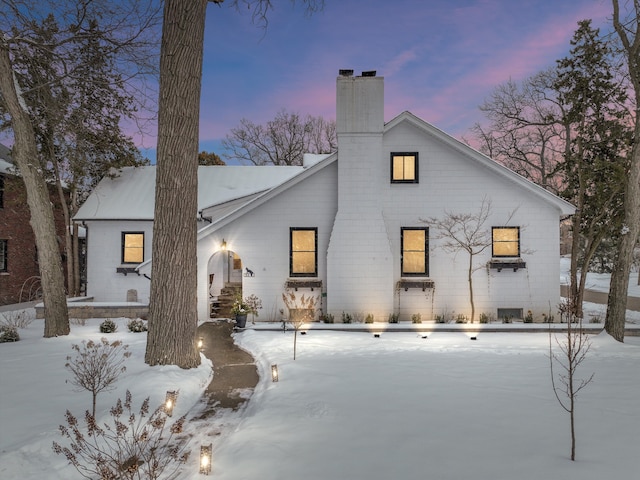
(1, 191)
(303, 252)
(505, 241)
(415, 251)
(404, 167)
(132, 247)
(3, 255)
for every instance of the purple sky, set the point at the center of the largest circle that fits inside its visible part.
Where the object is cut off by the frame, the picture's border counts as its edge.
(440, 58)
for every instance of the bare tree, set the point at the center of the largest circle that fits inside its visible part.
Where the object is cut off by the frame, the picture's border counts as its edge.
(282, 141)
(573, 350)
(465, 232)
(301, 310)
(97, 365)
(629, 32)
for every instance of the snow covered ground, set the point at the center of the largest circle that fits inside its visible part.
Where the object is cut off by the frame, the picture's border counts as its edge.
(352, 407)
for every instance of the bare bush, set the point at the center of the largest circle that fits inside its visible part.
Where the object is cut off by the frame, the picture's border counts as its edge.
(133, 447)
(17, 318)
(97, 366)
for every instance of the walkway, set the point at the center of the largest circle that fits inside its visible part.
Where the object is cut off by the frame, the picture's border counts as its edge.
(234, 371)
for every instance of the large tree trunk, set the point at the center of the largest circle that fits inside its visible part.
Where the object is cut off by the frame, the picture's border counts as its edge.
(173, 304)
(25, 154)
(617, 301)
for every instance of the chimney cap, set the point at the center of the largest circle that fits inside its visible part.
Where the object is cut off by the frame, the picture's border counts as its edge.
(369, 73)
(345, 73)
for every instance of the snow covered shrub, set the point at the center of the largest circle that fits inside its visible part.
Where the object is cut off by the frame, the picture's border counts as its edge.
(108, 326)
(416, 318)
(528, 318)
(346, 317)
(461, 318)
(135, 446)
(327, 318)
(368, 318)
(8, 333)
(484, 318)
(393, 318)
(137, 326)
(97, 365)
(440, 319)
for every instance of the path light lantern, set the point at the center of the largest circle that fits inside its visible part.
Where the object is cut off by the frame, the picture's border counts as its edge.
(473, 338)
(170, 402)
(274, 373)
(205, 459)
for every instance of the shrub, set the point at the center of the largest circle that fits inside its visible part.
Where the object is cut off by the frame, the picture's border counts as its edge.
(346, 317)
(439, 319)
(108, 326)
(416, 318)
(595, 319)
(484, 318)
(137, 326)
(358, 317)
(135, 446)
(507, 319)
(327, 318)
(461, 318)
(8, 333)
(97, 365)
(368, 318)
(393, 317)
(528, 318)
(16, 318)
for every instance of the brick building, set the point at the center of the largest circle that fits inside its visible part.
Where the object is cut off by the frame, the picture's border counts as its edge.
(19, 271)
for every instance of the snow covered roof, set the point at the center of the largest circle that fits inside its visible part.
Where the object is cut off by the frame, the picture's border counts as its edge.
(131, 195)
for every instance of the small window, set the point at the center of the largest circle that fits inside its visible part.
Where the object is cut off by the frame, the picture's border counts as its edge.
(506, 241)
(3, 255)
(415, 251)
(303, 258)
(404, 167)
(132, 247)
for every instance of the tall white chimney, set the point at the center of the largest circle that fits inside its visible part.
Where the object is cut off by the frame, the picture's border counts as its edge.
(359, 258)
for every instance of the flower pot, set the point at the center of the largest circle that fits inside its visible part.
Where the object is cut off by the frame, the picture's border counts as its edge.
(241, 321)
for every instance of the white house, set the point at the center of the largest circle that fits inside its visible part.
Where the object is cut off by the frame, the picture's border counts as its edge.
(346, 228)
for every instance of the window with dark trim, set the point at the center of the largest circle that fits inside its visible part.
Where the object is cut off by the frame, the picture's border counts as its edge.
(303, 252)
(1, 191)
(414, 259)
(132, 247)
(3, 255)
(404, 167)
(505, 242)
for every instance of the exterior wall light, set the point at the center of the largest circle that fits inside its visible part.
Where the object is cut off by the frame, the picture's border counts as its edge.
(205, 459)
(274, 373)
(170, 402)
(223, 245)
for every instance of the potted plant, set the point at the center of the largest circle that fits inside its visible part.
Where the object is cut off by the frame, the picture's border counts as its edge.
(241, 309)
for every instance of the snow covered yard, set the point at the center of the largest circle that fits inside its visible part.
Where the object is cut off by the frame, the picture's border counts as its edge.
(353, 407)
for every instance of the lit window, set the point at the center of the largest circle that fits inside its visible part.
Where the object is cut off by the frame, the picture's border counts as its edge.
(3, 255)
(415, 251)
(506, 241)
(132, 247)
(404, 167)
(303, 252)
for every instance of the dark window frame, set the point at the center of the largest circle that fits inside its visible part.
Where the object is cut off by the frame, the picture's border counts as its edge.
(4, 255)
(123, 248)
(426, 252)
(493, 242)
(291, 252)
(416, 165)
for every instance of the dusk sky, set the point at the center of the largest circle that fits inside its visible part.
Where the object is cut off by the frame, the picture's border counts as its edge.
(440, 58)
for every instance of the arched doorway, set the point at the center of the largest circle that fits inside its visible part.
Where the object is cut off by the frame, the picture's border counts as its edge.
(224, 277)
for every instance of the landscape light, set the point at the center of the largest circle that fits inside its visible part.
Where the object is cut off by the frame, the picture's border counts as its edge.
(424, 336)
(205, 459)
(274, 373)
(376, 335)
(200, 343)
(473, 338)
(170, 402)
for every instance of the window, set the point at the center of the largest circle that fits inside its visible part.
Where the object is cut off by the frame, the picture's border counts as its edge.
(1, 191)
(3, 255)
(415, 251)
(505, 241)
(303, 258)
(132, 247)
(404, 167)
